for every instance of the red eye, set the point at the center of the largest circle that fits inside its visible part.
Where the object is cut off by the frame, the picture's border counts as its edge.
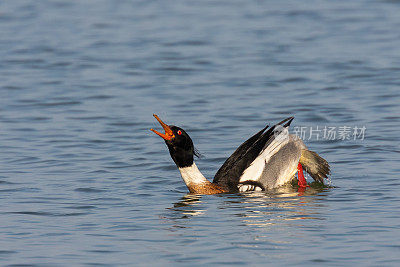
(179, 132)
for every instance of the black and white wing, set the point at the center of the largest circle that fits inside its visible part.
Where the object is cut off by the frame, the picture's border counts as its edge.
(245, 165)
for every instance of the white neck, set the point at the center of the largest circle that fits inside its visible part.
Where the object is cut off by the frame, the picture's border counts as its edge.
(192, 176)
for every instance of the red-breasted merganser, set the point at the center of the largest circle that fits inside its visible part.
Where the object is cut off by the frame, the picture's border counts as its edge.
(268, 159)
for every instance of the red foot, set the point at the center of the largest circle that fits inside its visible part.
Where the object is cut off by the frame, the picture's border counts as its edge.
(300, 176)
(301, 191)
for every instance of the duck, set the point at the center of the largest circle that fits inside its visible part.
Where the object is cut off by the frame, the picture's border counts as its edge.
(269, 159)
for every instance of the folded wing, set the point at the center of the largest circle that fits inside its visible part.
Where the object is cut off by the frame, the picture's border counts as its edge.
(248, 154)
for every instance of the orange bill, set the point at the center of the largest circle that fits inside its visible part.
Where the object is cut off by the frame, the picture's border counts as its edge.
(168, 132)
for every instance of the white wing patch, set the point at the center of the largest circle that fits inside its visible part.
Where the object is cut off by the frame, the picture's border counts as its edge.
(255, 170)
(248, 187)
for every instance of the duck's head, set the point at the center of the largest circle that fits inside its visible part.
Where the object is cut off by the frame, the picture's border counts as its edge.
(179, 143)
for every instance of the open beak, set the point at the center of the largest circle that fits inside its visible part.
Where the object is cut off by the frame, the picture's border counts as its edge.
(168, 132)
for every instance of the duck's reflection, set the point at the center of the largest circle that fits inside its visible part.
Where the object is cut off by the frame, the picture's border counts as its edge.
(188, 206)
(260, 209)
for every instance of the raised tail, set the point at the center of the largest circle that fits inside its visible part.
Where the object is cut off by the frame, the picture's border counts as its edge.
(314, 165)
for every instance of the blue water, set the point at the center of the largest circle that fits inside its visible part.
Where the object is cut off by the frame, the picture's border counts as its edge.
(84, 182)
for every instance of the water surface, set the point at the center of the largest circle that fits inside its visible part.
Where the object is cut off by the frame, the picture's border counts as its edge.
(84, 182)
